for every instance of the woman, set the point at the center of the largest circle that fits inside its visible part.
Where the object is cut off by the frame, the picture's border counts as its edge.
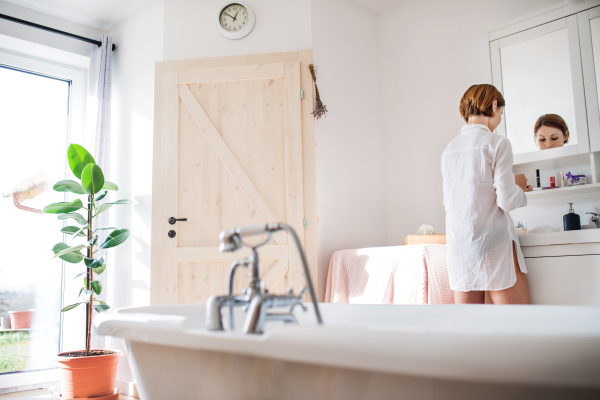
(479, 191)
(550, 131)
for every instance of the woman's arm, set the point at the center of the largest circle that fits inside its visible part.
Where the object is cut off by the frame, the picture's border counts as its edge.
(509, 196)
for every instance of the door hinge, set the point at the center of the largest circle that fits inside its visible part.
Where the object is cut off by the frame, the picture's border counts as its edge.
(305, 224)
(301, 93)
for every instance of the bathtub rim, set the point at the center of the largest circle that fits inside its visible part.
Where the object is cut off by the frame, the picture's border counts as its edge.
(553, 360)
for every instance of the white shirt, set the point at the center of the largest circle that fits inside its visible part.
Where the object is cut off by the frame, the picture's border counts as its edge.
(479, 191)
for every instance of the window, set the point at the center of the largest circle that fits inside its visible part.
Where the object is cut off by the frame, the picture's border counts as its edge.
(37, 106)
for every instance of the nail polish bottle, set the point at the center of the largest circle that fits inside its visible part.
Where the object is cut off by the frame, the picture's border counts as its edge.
(571, 221)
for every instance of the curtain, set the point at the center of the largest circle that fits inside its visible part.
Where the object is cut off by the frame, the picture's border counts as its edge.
(98, 125)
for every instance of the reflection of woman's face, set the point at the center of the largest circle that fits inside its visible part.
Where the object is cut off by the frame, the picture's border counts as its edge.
(548, 137)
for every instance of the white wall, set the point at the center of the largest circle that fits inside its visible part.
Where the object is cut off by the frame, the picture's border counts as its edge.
(343, 37)
(140, 45)
(350, 167)
(191, 29)
(432, 51)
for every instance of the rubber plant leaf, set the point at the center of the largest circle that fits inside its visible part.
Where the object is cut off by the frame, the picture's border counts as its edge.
(76, 216)
(74, 230)
(72, 257)
(100, 269)
(78, 275)
(93, 263)
(68, 250)
(100, 197)
(96, 287)
(68, 186)
(105, 228)
(101, 307)
(78, 158)
(92, 179)
(110, 186)
(72, 306)
(63, 207)
(115, 238)
(106, 206)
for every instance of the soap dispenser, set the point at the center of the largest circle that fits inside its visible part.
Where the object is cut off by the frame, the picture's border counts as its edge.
(571, 221)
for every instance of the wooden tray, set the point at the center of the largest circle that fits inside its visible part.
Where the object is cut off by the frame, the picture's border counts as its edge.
(424, 239)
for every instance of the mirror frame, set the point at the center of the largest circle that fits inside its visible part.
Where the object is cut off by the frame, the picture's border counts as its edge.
(579, 97)
(589, 75)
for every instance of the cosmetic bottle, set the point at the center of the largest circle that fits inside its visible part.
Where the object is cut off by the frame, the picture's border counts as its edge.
(537, 178)
(571, 221)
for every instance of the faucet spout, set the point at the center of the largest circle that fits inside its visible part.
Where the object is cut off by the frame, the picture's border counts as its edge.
(256, 297)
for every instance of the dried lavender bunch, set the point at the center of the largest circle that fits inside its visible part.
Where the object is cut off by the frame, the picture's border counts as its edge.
(320, 108)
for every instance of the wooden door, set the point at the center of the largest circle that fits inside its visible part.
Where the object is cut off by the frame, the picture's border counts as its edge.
(233, 145)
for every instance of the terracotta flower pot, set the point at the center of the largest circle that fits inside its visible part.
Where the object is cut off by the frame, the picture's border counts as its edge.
(20, 319)
(84, 377)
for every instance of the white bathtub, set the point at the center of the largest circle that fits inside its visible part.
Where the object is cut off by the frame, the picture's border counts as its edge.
(366, 352)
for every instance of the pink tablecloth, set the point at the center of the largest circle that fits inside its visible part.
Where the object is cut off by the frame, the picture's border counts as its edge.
(415, 274)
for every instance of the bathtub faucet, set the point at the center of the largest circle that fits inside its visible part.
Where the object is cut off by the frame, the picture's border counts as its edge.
(255, 298)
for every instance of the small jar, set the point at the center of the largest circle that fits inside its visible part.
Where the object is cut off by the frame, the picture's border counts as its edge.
(521, 227)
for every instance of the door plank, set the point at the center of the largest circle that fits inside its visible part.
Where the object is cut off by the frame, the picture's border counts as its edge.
(275, 274)
(231, 163)
(165, 176)
(233, 73)
(206, 254)
(295, 179)
(227, 61)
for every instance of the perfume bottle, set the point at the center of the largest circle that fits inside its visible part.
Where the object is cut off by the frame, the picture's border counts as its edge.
(571, 221)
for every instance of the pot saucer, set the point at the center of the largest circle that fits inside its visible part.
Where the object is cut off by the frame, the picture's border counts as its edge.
(55, 392)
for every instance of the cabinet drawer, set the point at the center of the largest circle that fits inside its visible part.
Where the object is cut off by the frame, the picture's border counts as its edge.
(564, 280)
(557, 250)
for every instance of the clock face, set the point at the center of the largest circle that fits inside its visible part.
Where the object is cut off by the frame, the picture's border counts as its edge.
(233, 18)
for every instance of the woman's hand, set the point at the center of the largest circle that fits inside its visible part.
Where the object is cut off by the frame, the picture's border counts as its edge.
(521, 182)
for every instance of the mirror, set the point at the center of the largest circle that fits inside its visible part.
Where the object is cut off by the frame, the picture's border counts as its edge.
(595, 33)
(536, 78)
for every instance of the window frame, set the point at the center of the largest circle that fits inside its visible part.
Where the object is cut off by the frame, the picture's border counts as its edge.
(77, 78)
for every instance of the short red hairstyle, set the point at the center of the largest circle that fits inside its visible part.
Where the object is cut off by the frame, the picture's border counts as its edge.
(478, 100)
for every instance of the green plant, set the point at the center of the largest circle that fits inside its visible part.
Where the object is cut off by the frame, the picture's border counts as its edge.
(84, 167)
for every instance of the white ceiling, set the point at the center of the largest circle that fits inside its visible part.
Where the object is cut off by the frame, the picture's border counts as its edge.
(99, 14)
(378, 6)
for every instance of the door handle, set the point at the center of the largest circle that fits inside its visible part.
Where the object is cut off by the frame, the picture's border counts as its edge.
(172, 220)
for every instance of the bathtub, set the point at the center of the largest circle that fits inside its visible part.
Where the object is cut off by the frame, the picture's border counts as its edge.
(366, 352)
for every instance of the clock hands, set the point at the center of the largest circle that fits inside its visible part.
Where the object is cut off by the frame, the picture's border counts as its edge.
(229, 16)
(236, 15)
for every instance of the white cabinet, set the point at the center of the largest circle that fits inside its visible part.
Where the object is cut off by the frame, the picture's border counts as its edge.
(563, 268)
(573, 280)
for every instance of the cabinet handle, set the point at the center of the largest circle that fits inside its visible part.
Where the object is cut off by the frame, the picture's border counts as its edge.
(172, 220)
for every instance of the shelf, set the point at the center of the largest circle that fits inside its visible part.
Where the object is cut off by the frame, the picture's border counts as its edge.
(563, 191)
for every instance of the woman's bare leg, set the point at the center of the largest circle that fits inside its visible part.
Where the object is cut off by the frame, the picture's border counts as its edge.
(473, 297)
(488, 298)
(518, 294)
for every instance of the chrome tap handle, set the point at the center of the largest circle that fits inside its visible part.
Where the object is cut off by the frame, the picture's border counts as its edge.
(595, 216)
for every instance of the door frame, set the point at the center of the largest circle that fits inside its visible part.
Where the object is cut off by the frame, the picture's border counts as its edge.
(165, 191)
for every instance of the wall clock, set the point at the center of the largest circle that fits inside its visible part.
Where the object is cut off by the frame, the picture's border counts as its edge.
(236, 20)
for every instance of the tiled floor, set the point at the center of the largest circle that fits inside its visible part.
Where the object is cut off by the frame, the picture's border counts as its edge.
(40, 394)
